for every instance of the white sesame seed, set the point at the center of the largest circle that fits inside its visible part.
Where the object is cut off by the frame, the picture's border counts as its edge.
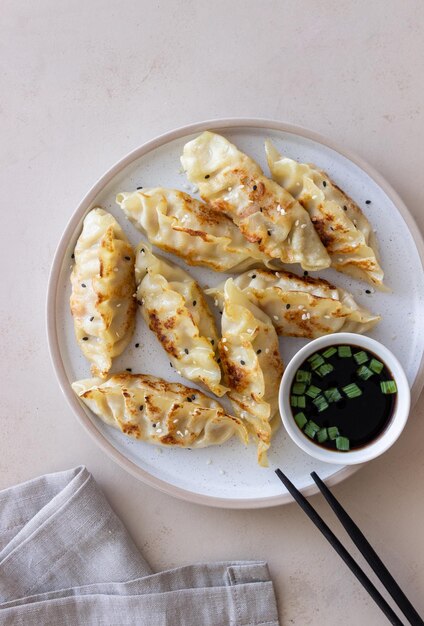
(224, 340)
(116, 269)
(215, 302)
(276, 318)
(243, 414)
(195, 189)
(327, 317)
(142, 252)
(297, 184)
(209, 462)
(296, 223)
(225, 348)
(186, 432)
(134, 295)
(186, 186)
(179, 433)
(303, 226)
(158, 430)
(241, 186)
(221, 472)
(179, 373)
(118, 305)
(277, 275)
(250, 331)
(71, 266)
(300, 306)
(267, 351)
(174, 421)
(314, 197)
(340, 259)
(117, 334)
(304, 316)
(229, 189)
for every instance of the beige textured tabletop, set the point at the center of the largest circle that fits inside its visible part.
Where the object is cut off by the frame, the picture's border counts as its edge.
(83, 83)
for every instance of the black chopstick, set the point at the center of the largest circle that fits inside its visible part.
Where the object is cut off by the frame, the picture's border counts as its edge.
(370, 555)
(340, 549)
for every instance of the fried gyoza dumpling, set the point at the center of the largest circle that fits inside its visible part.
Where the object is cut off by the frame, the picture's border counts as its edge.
(175, 309)
(301, 306)
(233, 184)
(343, 228)
(159, 412)
(251, 363)
(103, 285)
(177, 223)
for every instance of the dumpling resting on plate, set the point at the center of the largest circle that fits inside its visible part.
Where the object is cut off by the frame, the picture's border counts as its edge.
(343, 228)
(300, 306)
(233, 184)
(159, 412)
(102, 300)
(177, 223)
(252, 365)
(175, 309)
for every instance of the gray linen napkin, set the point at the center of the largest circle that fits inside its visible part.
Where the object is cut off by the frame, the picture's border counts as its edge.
(67, 559)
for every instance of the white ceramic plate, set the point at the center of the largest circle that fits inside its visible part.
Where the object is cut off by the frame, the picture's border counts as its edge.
(228, 476)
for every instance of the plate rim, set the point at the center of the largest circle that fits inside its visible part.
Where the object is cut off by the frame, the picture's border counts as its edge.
(52, 295)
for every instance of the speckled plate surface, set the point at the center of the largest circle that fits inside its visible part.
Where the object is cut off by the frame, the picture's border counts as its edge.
(228, 475)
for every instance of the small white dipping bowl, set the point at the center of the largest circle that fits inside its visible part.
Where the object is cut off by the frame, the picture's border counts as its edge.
(376, 446)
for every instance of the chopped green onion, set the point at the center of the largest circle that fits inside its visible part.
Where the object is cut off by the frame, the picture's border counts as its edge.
(322, 435)
(316, 361)
(313, 391)
(298, 389)
(344, 351)
(376, 366)
(333, 394)
(364, 372)
(321, 403)
(329, 352)
(388, 386)
(333, 432)
(352, 390)
(361, 357)
(303, 377)
(324, 369)
(309, 430)
(300, 419)
(301, 402)
(342, 444)
(293, 400)
(314, 426)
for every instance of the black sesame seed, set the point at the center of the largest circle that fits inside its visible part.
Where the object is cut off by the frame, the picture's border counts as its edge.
(83, 285)
(85, 338)
(367, 291)
(260, 209)
(218, 360)
(171, 364)
(367, 201)
(305, 274)
(207, 176)
(253, 275)
(345, 207)
(128, 369)
(194, 302)
(324, 183)
(72, 256)
(213, 342)
(288, 306)
(193, 397)
(139, 187)
(242, 362)
(269, 233)
(255, 187)
(220, 312)
(141, 407)
(189, 400)
(258, 351)
(91, 318)
(127, 258)
(154, 425)
(137, 345)
(142, 250)
(186, 350)
(139, 302)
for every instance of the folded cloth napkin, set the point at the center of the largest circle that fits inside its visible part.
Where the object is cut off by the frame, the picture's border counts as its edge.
(66, 559)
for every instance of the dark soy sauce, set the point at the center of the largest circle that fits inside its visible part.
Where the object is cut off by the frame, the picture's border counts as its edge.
(360, 419)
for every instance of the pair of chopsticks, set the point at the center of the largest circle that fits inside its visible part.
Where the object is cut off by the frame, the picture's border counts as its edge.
(363, 546)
